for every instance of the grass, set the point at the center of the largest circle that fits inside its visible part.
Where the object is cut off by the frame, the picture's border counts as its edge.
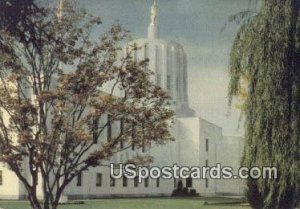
(141, 203)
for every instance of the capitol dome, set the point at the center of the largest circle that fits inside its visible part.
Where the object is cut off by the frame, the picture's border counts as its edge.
(168, 61)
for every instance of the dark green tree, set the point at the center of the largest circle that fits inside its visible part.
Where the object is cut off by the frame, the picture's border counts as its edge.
(265, 60)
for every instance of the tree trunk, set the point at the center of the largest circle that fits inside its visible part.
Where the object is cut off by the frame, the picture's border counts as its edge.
(34, 202)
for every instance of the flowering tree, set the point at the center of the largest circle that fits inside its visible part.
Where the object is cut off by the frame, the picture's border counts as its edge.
(49, 116)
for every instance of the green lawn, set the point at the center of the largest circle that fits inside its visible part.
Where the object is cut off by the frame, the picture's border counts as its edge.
(140, 203)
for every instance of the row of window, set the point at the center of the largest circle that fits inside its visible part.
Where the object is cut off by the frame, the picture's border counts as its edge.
(112, 180)
(99, 179)
(109, 132)
(108, 129)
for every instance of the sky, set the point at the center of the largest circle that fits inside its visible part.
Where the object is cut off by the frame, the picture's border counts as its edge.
(197, 25)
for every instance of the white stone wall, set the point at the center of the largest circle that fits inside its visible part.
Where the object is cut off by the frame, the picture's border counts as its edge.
(191, 138)
(230, 152)
(10, 188)
(189, 149)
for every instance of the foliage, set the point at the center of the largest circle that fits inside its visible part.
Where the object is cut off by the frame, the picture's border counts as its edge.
(58, 85)
(266, 53)
(19, 19)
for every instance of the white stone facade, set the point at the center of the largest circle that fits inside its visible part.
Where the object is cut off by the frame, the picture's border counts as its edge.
(230, 152)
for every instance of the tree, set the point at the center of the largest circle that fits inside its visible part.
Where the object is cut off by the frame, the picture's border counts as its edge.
(19, 19)
(266, 53)
(56, 87)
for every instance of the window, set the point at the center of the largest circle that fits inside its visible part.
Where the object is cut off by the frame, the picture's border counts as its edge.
(136, 182)
(112, 181)
(189, 182)
(206, 163)
(206, 145)
(169, 83)
(157, 182)
(146, 51)
(108, 127)
(143, 146)
(99, 179)
(146, 182)
(35, 178)
(79, 179)
(158, 79)
(184, 82)
(125, 181)
(1, 178)
(206, 183)
(158, 63)
(95, 131)
(133, 136)
(121, 132)
(135, 55)
(143, 142)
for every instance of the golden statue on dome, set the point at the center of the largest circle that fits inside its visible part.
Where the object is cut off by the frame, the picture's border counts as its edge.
(154, 14)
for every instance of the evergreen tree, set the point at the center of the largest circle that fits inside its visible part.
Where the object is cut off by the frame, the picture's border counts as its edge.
(266, 54)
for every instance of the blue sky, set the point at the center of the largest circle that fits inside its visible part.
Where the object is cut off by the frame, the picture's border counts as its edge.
(196, 24)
